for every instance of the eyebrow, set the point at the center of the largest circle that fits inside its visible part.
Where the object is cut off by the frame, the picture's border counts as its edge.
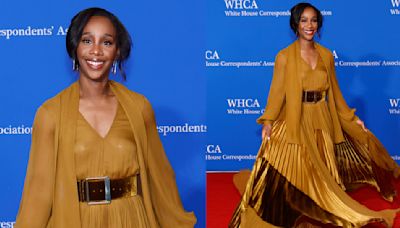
(89, 33)
(303, 17)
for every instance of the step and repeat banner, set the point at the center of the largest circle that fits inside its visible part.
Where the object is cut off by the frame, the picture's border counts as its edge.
(242, 39)
(165, 65)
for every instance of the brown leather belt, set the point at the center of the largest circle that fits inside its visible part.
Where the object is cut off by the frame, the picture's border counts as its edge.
(313, 96)
(101, 190)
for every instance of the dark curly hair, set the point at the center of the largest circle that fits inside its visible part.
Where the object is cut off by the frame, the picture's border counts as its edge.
(78, 23)
(296, 12)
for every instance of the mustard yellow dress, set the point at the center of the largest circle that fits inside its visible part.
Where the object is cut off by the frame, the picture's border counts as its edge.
(114, 156)
(50, 197)
(289, 181)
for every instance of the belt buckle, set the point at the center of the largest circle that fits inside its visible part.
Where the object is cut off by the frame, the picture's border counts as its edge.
(305, 97)
(315, 97)
(107, 190)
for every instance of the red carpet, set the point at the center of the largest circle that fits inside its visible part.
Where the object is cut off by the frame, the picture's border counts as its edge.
(222, 199)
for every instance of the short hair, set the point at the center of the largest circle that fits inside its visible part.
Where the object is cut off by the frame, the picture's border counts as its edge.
(78, 23)
(296, 12)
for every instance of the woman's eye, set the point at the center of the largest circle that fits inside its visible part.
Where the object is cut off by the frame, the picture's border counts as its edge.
(86, 41)
(108, 43)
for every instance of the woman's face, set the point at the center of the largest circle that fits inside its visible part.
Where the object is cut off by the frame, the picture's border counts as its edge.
(97, 49)
(308, 24)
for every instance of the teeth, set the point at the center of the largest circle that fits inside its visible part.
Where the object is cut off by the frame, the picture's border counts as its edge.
(95, 63)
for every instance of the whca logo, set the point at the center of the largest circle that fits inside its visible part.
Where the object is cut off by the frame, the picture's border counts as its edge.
(394, 102)
(212, 55)
(214, 149)
(243, 103)
(242, 4)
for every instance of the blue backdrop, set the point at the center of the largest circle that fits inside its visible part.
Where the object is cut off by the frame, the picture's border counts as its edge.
(165, 65)
(242, 39)
(195, 60)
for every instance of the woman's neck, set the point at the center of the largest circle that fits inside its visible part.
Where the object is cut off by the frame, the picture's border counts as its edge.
(94, 89)
(306, 45)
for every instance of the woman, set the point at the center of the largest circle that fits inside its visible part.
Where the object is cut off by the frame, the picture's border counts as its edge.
(96, 159)
(314, 147)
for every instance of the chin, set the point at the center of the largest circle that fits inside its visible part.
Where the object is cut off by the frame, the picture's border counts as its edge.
(99, 79)
(308, 38)
(96, 77)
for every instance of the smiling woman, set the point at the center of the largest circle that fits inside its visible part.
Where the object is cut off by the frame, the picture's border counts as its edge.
(82, 31)
(96, 158)
(314, 147)
(97, 50)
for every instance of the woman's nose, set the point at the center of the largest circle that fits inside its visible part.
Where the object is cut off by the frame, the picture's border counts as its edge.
(96, 50)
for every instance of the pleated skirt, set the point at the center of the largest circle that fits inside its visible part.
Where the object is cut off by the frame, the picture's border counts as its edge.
(121, 213)
(291, 181)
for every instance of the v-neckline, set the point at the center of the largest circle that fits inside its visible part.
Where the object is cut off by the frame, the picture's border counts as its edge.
(309, 65)
(94, 130)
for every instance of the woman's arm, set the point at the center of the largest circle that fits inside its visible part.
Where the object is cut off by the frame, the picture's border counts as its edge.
(36, 203)
(344, 112)
(276, 96)
(164, 193)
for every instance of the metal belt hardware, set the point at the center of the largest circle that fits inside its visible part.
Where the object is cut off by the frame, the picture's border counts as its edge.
(101, 190)
(107, 190)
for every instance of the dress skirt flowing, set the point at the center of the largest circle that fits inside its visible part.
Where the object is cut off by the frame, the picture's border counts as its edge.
(289, 181)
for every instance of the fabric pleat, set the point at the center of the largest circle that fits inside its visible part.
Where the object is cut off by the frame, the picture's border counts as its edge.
(124, 213)
(285, 184)
(290, 181)
(357, 166)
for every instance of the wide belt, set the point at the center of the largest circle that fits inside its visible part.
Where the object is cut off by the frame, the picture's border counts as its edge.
(313, 96)
(101, 190)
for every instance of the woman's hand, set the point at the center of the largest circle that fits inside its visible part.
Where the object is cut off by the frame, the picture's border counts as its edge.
(266, 131)
(361, 123)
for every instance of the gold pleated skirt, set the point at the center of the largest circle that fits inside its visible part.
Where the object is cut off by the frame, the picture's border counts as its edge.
(291, 181)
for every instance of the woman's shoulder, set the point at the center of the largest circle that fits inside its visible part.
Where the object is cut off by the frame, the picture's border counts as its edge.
(282, 56)
(138, 99)
(125, 90)
(54, 103)
(324, 50)
(284, 52)
(48, 111)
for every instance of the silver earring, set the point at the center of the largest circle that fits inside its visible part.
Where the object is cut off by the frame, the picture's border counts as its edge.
(75, 66)
(114, 67)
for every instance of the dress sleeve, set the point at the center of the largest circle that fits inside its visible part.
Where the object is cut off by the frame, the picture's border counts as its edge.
(36, 203)
(276, 96)
(343, 110)
(163, 190)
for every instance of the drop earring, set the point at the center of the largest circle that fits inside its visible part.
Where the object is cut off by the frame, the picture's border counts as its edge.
(114, 67)
(75, 66)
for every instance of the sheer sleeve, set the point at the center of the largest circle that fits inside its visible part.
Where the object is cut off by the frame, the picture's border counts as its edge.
(163, 190)
(276, 96)
(36, 203)
(343, 110)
